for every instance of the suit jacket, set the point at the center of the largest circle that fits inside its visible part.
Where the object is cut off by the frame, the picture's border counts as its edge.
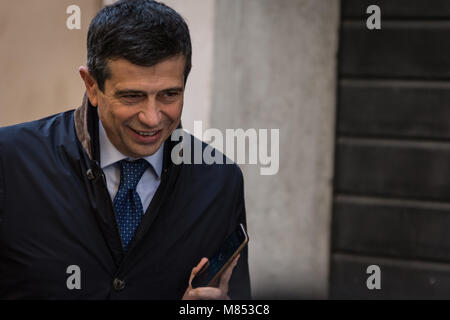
(55, 212)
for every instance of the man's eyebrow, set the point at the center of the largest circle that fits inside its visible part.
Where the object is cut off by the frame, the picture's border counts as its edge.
(139, 92)
(178, 89)
(129, 92)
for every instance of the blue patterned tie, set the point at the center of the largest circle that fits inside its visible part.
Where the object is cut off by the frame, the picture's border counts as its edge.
(127, 202)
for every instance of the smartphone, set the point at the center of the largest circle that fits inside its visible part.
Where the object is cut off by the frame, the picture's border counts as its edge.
(233, 245)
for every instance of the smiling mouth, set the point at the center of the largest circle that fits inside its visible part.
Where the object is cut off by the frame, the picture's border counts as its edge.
(147, 134)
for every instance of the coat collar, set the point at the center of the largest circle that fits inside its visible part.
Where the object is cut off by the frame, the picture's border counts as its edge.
(81, 126)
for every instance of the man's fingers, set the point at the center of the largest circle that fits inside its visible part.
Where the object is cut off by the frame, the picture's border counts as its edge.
(225, 278)
(197, 269)
(203, 263)
(208, 293)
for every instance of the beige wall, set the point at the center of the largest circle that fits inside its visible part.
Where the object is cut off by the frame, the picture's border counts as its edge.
(39, 58)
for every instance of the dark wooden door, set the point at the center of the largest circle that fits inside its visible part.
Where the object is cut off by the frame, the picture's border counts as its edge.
(392, 158)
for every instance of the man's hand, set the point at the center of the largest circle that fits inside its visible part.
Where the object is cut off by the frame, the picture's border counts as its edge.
(210, 293)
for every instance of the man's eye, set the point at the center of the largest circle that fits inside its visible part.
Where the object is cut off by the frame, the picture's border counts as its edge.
(171, 94)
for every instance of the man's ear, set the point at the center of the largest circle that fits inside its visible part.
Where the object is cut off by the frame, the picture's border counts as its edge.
(91, 85)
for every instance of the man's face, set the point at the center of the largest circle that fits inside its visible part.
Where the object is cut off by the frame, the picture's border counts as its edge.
(141, 106)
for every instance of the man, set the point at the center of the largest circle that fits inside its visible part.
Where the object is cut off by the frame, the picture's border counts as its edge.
(91, 204)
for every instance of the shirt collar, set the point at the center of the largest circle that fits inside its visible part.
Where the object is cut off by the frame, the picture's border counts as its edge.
(109, 155)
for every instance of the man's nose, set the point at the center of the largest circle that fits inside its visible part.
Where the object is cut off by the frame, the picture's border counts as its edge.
(150, 115)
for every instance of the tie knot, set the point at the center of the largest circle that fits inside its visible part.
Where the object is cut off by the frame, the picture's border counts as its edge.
(131, 172)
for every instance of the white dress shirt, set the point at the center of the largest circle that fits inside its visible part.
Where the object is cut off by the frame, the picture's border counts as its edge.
(109, 158)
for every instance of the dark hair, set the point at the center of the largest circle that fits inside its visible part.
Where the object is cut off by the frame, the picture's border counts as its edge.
(144, 32)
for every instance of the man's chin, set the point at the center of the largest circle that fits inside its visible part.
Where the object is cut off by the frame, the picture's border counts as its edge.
(141, 150)
(146, 152)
